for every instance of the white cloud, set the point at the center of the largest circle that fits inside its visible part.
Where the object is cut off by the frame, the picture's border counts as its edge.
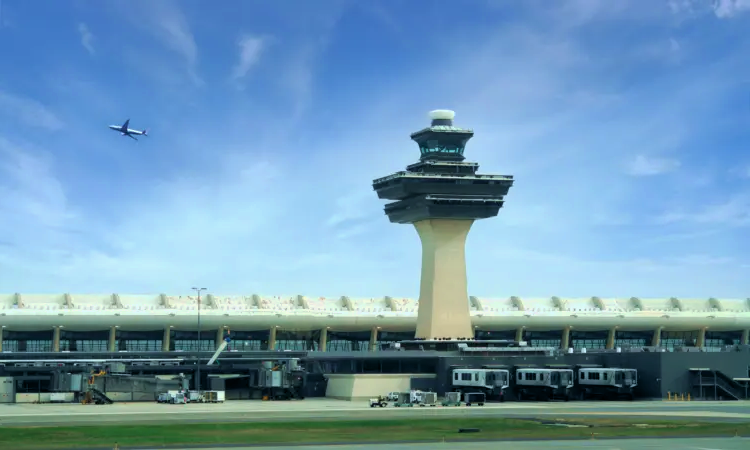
(723, 9)
(674, 45)
(87, 38)
(241, 199)
(643, 165)
(28, 111)
(355, 205)
(734, 211)
(39, 224)
(173, 29)
(251, 48)
(165, 21)
(31, 190)
(730, 8)
(184, 228)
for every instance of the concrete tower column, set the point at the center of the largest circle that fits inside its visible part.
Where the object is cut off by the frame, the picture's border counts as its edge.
(374, 339)
(2, 335)
(443, 296)
(56, 339)
(565, 338)
(701, 341)
(112, 339)
(323, 343)
(165, 340)
(743, 340)
(519, 334)
(442, 195)
(611, 337)
(272, 339)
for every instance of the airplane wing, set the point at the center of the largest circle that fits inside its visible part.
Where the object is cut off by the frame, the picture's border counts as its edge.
(125, 125)
(131, 136)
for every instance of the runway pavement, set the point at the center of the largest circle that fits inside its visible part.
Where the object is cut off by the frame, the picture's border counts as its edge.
(249, 411)
(607, 444)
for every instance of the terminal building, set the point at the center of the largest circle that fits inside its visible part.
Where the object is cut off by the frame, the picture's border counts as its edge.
(131, 323)
(347, 344)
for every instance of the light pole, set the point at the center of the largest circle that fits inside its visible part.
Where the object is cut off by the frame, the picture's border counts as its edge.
(198, 372)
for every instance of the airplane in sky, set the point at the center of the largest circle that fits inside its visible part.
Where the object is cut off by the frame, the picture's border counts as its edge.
(128, 131)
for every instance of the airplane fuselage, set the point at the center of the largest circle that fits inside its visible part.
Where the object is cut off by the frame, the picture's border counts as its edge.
(125, 130)
(129, 132)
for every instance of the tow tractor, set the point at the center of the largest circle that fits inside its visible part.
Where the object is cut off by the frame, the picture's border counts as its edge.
(379, 402)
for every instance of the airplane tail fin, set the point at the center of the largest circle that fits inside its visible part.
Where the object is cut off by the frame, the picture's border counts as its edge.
(145, 132)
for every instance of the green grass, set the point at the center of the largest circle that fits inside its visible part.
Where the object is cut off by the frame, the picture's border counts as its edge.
(28, 438)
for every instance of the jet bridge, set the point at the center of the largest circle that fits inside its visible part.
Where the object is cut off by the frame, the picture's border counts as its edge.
(222, 347)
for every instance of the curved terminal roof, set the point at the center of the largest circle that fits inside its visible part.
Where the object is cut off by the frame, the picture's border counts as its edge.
(82, 312)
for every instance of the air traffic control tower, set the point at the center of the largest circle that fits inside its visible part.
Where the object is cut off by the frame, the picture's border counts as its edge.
(442, 196)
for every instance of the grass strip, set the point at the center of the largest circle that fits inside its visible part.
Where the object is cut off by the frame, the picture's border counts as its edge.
(355, 431)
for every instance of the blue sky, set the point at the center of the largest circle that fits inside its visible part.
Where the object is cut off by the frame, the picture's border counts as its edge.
(626, 124)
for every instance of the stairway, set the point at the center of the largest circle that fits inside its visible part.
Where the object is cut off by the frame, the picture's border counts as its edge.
(722, 384)
(100, 397)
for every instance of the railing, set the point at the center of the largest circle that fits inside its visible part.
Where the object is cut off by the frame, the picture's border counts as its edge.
(404, 174)
(431, 162)
(721, 381)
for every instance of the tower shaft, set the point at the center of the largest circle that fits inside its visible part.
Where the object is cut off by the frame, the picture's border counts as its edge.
(443, 298)
(442, 195)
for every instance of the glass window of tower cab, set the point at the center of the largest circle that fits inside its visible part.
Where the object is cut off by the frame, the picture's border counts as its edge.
(442, 195)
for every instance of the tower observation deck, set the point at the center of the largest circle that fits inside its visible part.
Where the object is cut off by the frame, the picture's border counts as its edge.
(442, 195)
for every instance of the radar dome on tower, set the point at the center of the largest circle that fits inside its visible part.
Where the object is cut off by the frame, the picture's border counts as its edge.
(445, 114)
(442, 117)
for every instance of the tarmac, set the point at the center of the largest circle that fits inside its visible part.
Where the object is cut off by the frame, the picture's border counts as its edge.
(325, 409)
(607, 444)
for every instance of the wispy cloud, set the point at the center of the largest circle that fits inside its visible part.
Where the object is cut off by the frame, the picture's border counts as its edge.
(235, 195)
(87, 38)
(28, 111)
(643, 165)
(39, 222)
(251, 48)
(734, 211)
(166, 22)
(355, 205)
(730, 8)
(723, 9)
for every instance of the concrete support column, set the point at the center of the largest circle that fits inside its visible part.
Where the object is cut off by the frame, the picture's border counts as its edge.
(743, 340)
(701, 341)
(165, 339)
(374, 339)
(219, 337)
(272, 339)
(519, 334)
(112, 339)
(2, 335)
(323, 344)
(565, 338)
(656, 340)
(56, 339)
(611, 336)
(443, 298)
